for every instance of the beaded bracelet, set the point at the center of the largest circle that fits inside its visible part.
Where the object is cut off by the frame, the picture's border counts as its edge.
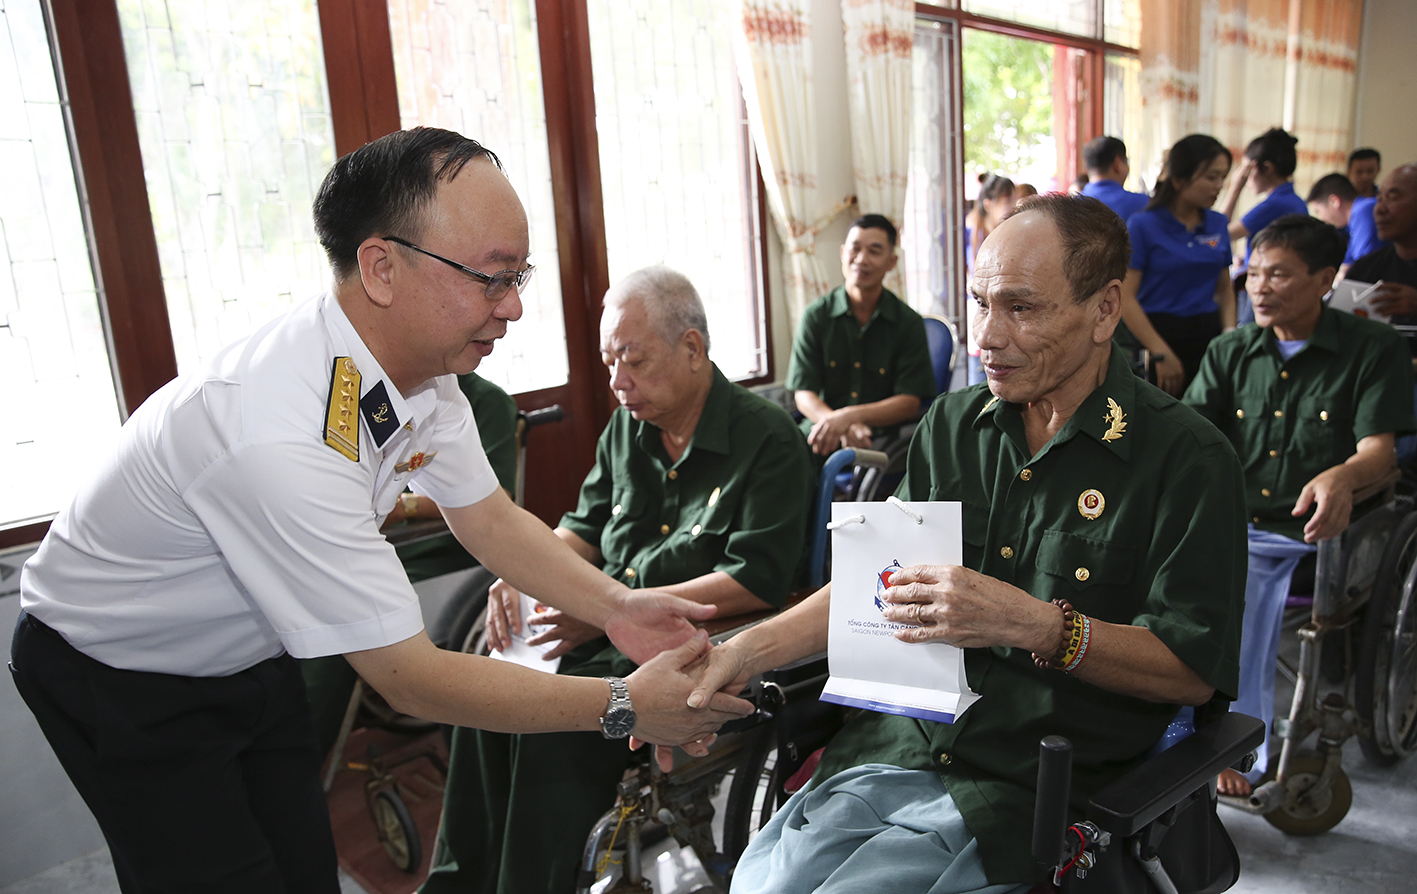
(1077, 636)
(1051, 661)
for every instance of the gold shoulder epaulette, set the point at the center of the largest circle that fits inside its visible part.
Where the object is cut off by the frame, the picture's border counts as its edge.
(342, 409)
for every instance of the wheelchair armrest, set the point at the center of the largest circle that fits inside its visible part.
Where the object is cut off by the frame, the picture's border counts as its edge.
(1129, 804)
(415, 531)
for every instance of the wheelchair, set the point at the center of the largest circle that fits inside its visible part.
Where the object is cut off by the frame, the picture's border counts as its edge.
(1364, 589)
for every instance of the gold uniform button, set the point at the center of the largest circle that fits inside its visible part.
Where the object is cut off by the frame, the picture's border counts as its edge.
(1256, 519)
(1284, 374)
(1007, 552)
(616, 510)
(944, 759)
(1082, 574)
(831, 363)
(1278, 414)
(1239, 414)
(1323, 414)
(1264, 491)
(629, 572)
(857, 364)
(1026, 475)
(883, 370)
(696, 529)
(664, 529)
(1274, 453)
(853, 394)
(673, 474)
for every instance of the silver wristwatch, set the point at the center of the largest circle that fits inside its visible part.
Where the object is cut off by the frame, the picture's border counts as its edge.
(619, 719)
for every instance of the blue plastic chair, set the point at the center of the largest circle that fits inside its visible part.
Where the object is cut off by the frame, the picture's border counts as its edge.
(943, 339)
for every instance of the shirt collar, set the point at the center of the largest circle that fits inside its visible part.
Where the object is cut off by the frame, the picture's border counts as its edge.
(401, 411)
(887, 308)
(1324, 337)
(711, 431)
(1104, 414)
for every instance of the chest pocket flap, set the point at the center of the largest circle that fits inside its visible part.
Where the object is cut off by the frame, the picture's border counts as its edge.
(1084, 561)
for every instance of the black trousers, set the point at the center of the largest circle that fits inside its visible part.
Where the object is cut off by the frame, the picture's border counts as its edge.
(1188, 337)
(200, 784)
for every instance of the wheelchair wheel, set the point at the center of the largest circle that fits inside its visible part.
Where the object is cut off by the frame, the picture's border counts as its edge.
(752, 795)
(1385, 688)
(1307, 814)
(462, 624)
(397, 831)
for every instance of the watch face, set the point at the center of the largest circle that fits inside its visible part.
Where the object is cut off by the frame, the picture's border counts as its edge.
(618, 722)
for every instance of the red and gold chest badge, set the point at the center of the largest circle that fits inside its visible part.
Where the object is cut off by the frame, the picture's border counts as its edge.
(1091, 503)
(415, 462)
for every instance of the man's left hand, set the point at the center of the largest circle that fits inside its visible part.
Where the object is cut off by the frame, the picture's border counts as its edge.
(956, 605)
(1331, 492)
(1394, 298)
(647, 622)
(829, 432)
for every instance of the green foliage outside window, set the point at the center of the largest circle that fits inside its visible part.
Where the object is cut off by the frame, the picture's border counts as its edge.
(1008, 102)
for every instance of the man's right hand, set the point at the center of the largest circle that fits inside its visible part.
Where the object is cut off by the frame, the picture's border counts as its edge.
(827, 434)
(662, 688)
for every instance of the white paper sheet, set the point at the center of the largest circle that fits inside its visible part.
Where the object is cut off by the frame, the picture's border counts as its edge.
(521, 653)
(870, 668)
(1355, 298)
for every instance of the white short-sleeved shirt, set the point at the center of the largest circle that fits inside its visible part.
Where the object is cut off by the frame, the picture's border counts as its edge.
(224, 530)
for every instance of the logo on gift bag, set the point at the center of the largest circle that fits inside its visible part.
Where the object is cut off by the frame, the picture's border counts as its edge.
(883, 580)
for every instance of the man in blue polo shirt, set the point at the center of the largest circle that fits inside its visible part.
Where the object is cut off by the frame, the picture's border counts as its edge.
(1107, 169)
(1335, 200)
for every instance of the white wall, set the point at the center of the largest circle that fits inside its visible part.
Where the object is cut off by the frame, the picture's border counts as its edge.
(1387, 81)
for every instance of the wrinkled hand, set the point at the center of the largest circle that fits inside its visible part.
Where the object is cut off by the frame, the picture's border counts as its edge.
(646, 622)
(829, 432)
(857, 435)
(569, 631)
(1332, 493)
(661, 689)
(1394, 298)
(965, 608)
(504, 616)
(723, 673)
(1170, 374)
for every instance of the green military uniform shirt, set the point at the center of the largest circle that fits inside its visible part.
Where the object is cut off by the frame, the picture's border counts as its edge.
(848, 364)
(496, 415)
(737, 500)
(1133, 513)
(1291, 419)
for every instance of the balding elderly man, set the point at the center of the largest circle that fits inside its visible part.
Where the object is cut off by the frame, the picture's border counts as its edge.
(701, 489)
(1394, 265)
(236, 528)
(1081, 485)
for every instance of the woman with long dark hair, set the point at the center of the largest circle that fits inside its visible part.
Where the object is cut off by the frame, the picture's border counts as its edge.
(1177, 295)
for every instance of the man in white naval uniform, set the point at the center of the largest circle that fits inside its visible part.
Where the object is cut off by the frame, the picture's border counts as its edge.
(236, 528)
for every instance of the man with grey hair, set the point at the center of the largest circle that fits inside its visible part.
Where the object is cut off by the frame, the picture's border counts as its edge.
(701, 489)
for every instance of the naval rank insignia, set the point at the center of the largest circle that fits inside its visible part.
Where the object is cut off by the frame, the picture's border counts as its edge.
(1091, 503)
(1115, 426)
(342, 409)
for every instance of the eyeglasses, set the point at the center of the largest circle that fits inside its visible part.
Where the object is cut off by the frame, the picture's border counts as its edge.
(496, 284)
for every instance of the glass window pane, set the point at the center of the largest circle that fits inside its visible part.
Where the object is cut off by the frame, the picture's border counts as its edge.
(234, 123)
(675, 169)
(61, 409)
(1068, 16)
(475, 67)
(931, 240)
(1123, 20)
(1008, 111)
(1122, 115)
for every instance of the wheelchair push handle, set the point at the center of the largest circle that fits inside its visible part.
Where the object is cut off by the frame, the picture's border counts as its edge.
(767, 698)
(542, 416)
(1050, 810)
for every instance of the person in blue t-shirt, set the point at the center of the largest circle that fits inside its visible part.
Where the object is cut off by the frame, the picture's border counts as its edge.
(1107, 169)
(1334, 200)
(1268, 168)
(1177, 295)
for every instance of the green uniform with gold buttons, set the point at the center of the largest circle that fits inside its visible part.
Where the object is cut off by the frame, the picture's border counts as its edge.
(847, 364)
(1133, 512)
(517, 809)
(1291, 419)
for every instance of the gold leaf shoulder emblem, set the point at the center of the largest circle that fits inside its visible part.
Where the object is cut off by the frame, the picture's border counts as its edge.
(1115, 426)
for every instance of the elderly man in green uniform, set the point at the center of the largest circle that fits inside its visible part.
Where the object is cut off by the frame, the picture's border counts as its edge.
(700, 488)
(1312, 398)
(1080, 484)
(860, 362)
